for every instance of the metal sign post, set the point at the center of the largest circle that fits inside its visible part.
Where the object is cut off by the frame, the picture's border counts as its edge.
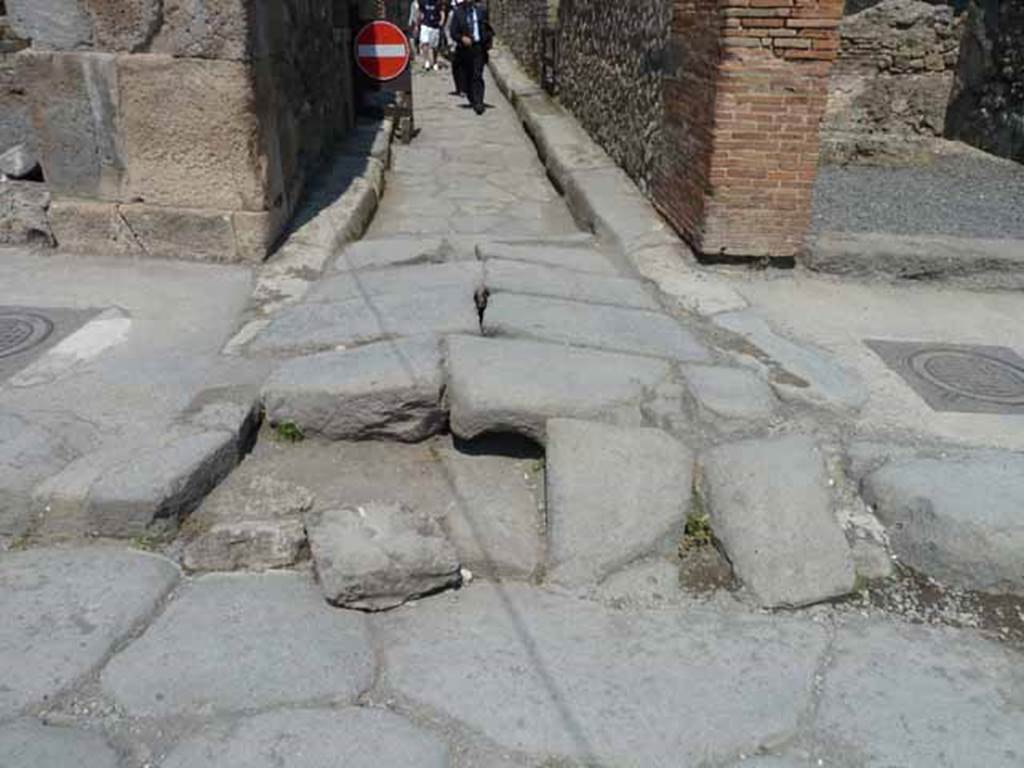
(384, 59)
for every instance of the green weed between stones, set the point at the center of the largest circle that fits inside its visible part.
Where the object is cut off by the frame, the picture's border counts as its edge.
(697, 530)
(288, 432)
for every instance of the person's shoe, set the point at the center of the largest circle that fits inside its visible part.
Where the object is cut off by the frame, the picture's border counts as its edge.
(479, 109)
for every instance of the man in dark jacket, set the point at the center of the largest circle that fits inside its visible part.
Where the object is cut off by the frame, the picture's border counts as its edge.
(471, 32)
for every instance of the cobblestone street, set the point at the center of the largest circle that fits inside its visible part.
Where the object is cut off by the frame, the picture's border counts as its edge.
(475, 525)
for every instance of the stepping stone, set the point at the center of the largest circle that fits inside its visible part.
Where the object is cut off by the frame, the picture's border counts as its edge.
(502, 276)
(580, 259)
(495, 516)
(506, 385)
(390, 390)
(65, 609)
(241, 642)
(379, 555)
(797, 372)
(568, 680)
(613, 495)
(30, 744)
(958, 520)
(733, 393)
(771, 509)
(327, 326)
(901, 694)
(590, 325)
(251, 521)
(457, 275)
(351, 737)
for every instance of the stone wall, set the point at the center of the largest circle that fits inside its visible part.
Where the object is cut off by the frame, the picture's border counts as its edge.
(892, 81)
(182, 128)
(15, 126)
(519, 23)
(987, 109)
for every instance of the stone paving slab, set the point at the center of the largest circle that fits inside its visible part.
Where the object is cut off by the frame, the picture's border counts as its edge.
(509, 385)
(559, 678)
(465, 276)
(318, 327)
(733, 393)
(770, 507)
(959, 520)
(561, 256)
(64, 610)
(311, 738)
(503, 276)
(30, 744)
(389, 390)
(234, 642)
(613, 495)
(591, 325)
(389, 252)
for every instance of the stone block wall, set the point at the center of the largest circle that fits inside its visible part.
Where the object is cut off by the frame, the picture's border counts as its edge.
(987, 107)
(520, 23)
(15, 125)
(182, 128)
(892, 82)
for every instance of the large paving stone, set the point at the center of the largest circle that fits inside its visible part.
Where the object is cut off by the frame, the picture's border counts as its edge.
(124, 26)
(18, 162)
(458, 275)
(233, 642)
(315, 327)
(507, 385)
(30, 744)
(797, 372)
(504, 276)
(64, 610)
(557, 677)
(897, 694)
(495, 514)
(590, 325)
(251, 521)
(390, 252)
(580, 259)
(353, 738)
(613, 494)
(51, 24)
(389, 390)
(76, 95)
(771, 509)
(958, 520)
(734, 393)
(379, 555)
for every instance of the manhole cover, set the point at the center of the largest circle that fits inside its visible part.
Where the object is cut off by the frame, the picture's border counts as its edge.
(20, 331)
(957, 377)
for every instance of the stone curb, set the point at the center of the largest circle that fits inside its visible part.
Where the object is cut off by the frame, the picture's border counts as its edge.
(982, 262)
(603, 199)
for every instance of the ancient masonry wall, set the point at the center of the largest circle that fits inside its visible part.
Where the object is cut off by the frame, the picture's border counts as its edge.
(15, 126)
(892, 81)
(181, 128)
(987, 108)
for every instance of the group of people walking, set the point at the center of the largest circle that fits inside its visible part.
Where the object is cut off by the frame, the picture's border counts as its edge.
(461, 26)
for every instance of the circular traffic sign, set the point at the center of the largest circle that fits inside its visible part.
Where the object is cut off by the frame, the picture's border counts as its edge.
(382, 50)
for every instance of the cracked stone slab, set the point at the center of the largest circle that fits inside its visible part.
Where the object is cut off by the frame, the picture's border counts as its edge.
(466, 276)
(561, 678)
(389, 252)
(504, 276)
(251, 521)
(579, 259)
(796, 372)
(733, 393)
(251, 641)
(31, 744)
(351, 737)
(900, 694)
(959, 520)
(591, 325)
(510, 385)
(613, 495)
(379, 555)
(65, 609)
(771, 509)
(389, 389)
(325, 326)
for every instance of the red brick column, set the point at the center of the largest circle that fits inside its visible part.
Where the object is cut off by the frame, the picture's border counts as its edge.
(742, 115)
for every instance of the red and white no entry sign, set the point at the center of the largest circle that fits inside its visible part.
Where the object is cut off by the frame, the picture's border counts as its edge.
(382, 50)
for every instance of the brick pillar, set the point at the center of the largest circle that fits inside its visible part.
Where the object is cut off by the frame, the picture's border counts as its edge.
(743, 104)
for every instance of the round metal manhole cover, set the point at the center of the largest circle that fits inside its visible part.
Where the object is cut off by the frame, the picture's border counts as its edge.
(971, 374)
(20, 331)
